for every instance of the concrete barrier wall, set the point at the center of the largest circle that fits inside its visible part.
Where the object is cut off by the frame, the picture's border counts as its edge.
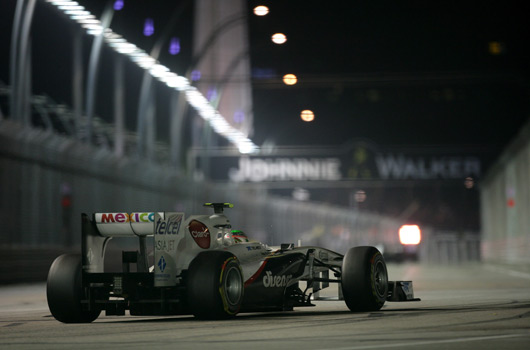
(505, 205)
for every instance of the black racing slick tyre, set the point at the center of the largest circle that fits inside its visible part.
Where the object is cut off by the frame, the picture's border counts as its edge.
(364, 279)
(64, 291)
(215, 285)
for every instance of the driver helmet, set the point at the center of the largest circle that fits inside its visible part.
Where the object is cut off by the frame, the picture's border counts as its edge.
(239, 236)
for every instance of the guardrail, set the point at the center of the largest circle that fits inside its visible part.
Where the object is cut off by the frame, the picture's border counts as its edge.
(451, 248)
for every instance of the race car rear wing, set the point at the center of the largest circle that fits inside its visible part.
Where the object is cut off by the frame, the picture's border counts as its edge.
(99, 228)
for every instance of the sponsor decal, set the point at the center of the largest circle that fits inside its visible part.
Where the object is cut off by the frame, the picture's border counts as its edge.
(166, 245)
(285, 169)
(166, 238)
(401, 167)
(250, 248)
(200, 233)
(162, 264)
(105, 218)
(272, 281)
(168, 227)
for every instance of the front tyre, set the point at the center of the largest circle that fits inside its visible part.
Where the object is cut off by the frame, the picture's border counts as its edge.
(364, 279)
(215, 285)
(64, 291)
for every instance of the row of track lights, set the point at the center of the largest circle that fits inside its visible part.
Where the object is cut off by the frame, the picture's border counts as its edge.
(93, 26)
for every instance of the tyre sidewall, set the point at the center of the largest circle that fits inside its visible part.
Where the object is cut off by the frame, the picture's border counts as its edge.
(64, 291)
(209, 296)
(361, 290)
(231, 301)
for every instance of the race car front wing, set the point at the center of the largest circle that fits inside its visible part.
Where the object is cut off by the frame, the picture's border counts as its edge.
(401, 291)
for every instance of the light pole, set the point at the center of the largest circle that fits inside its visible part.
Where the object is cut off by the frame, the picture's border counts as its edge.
(77, 80)
(145, 120)
(95, 55)
(13, 62)
(20, 54)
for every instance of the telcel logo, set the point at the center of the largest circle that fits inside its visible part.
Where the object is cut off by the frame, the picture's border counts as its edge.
(124, 217)
(168, 227)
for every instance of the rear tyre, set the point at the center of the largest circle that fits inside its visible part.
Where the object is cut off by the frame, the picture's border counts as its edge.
(215, 285)
(64, 291)
(364, 279)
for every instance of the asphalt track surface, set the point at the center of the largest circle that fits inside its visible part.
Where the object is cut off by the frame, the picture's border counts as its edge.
(462, 307)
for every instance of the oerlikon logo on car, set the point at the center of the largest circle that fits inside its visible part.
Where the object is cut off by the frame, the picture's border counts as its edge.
(200, 234)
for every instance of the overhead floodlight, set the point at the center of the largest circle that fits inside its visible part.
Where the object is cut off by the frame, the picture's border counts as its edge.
(89, 21)
(115, 43)
(177, 82)
(143, 61)
(62, 2)
(93, 29)
(94, 32)
(220, 125)
(71, 7)
(125, 47)
(77, 18)
(83, 18)
(247, 146)
(77, 13)
(307, 115)
(261, 10)
(193, 95)
(110, 35)
(157, 70)
(290, 79)
(165, 76)
(207, 113)
(138, 55)
(279, 38)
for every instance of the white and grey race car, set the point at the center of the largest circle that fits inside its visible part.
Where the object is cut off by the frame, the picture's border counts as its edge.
(201, 266)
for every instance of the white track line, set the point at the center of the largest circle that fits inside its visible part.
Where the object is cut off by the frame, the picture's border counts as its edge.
(430, 342)
(512, 273)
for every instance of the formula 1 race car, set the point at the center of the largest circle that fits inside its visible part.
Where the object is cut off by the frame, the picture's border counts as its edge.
(201, 266)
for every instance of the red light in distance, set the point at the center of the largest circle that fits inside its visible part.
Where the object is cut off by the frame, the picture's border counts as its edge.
(409, 235)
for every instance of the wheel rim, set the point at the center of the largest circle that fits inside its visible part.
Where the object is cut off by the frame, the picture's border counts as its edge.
(233, 285)
(381, 279)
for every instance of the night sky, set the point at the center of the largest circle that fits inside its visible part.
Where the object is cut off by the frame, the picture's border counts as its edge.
(409, 72)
